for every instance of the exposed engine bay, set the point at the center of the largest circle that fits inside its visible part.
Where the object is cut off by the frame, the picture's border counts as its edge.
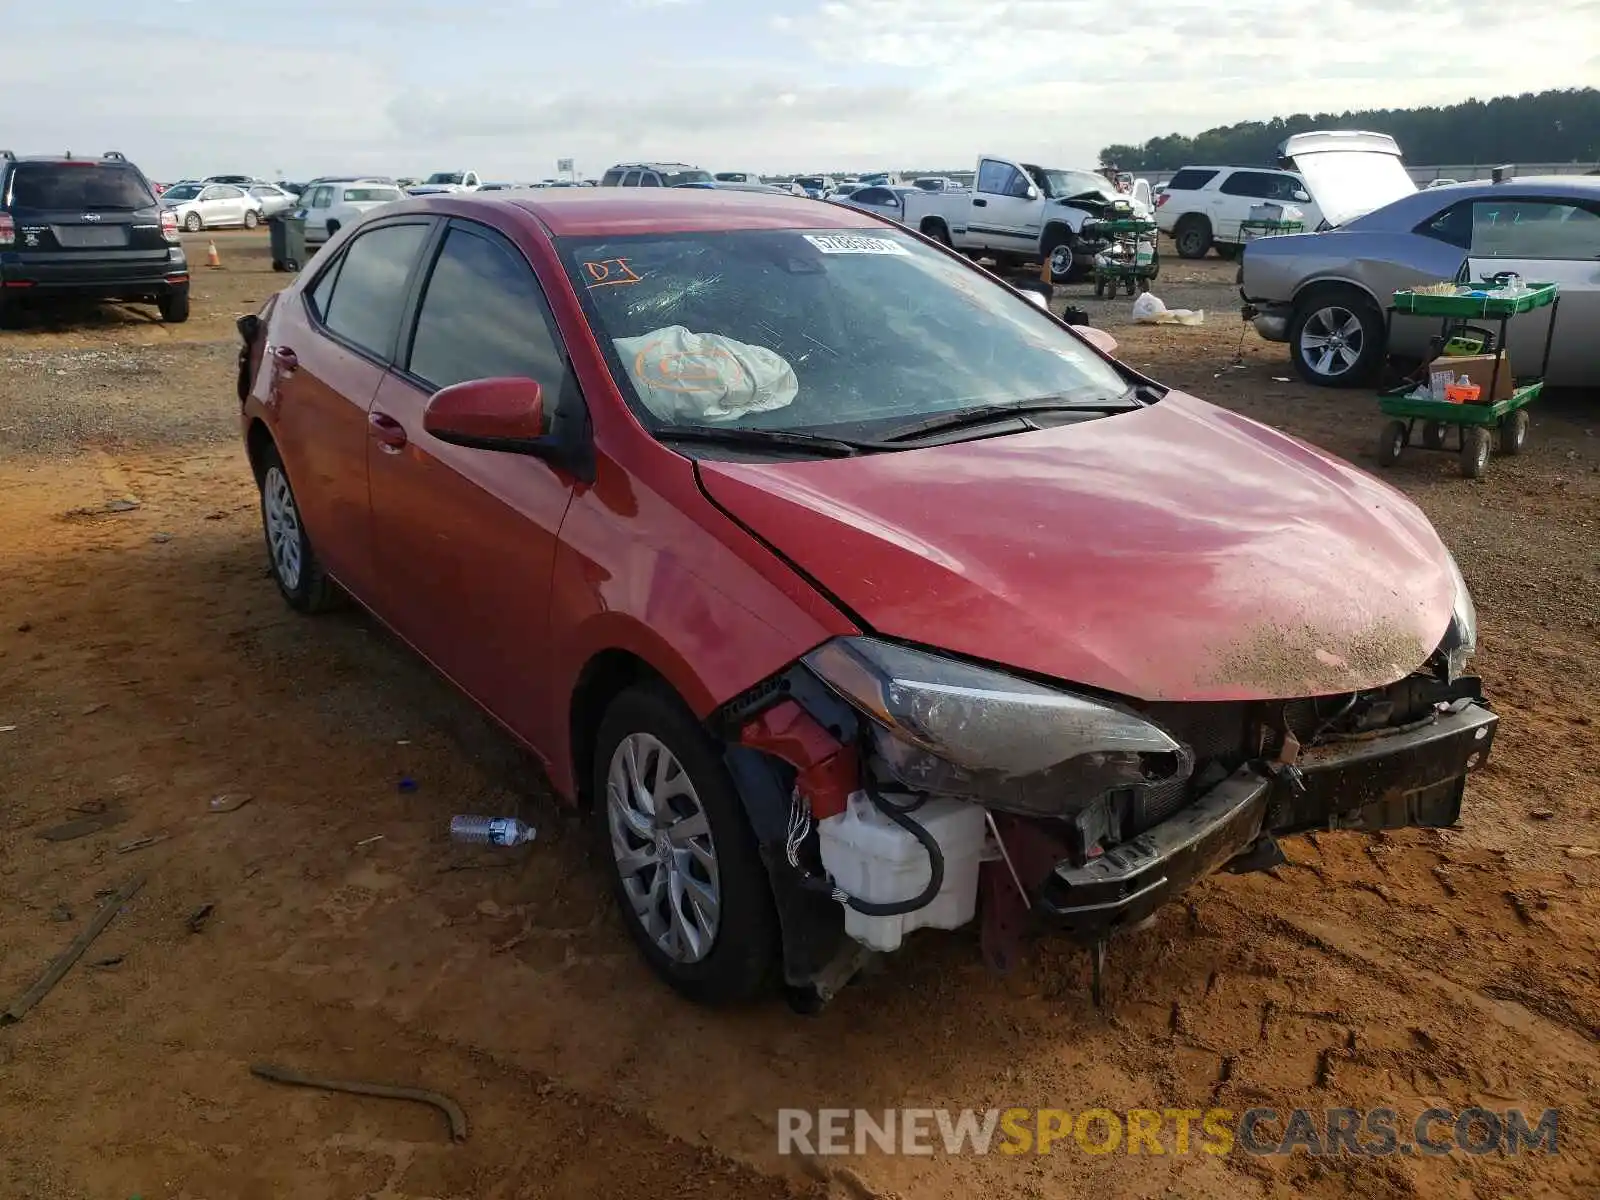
(893, 789)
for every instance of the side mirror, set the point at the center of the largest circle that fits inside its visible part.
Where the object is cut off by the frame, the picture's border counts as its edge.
(489, 414)
(1303, 196)
(1098, 338)
(1032, 192)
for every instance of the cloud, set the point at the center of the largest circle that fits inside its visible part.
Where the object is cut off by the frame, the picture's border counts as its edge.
(507, 86)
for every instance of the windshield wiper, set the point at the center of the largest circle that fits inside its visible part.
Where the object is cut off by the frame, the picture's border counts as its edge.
(987, 414)
(765, 439)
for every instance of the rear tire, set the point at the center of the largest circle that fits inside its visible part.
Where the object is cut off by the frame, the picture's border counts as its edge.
(1192, 235)
(1514, 432)
(937, 231)
(1474, 451)
(10, 313)
(677, 805)
(1227, 251)
(295, 566)
(174, 305)
(1391, 442)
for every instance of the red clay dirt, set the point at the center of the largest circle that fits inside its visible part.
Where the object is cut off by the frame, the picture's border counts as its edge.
(149, 666)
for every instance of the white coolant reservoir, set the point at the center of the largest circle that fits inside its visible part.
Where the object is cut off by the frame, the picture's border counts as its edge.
(872, 858)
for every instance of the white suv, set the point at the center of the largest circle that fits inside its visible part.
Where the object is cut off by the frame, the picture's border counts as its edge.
(1203, 207)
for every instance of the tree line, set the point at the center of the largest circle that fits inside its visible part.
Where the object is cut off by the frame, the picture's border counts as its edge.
(1556, 126)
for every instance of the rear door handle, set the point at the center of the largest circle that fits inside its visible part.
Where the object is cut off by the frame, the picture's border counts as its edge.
(286, 358)
(390, 433)
(980, 204)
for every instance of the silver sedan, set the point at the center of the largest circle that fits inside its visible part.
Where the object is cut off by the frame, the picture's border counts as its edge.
(884, 201)
(1326, 293)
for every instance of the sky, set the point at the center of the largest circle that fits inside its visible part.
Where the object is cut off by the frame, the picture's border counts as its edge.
(293, 88)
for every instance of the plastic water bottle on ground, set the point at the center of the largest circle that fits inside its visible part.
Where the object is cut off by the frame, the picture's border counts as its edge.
(491, 831)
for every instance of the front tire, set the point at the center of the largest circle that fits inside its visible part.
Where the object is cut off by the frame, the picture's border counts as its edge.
(251, 220)
(683, 862)
(295, 566)
(193, 223)
(1336, 338)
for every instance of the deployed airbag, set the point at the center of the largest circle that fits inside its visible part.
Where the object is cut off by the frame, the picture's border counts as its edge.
(696, 377)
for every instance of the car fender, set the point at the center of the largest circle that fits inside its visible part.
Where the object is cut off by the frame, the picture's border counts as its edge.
(1330, 279)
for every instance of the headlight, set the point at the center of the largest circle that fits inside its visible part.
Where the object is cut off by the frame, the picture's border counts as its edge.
(949, 727)
(1461, 638)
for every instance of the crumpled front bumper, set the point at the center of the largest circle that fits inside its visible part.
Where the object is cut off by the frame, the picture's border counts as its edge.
(1414, 777)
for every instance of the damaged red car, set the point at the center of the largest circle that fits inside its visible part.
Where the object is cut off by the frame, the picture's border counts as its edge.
(851, 590)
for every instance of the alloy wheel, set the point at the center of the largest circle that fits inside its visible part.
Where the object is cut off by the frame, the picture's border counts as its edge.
(661, 841)
(1331, 341)
(283, 527)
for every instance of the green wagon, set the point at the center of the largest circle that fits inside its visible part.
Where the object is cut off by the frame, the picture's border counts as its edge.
(1130, 261)
(1476, 428)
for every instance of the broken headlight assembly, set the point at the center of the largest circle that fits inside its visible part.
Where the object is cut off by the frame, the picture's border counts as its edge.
(1461, 638)
(946, 727)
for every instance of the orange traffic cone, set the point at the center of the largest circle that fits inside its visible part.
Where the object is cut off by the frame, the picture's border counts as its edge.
(213, 259)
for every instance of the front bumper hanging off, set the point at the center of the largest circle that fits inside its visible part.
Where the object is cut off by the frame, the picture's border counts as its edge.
(1410, 778)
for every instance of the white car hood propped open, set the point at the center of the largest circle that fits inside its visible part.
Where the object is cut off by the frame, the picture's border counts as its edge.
(1348, 172)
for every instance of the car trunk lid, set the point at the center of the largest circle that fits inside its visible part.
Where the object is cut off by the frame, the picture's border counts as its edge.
(1349, 173)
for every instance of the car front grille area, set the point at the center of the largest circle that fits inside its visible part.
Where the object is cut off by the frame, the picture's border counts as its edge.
(1225, 736)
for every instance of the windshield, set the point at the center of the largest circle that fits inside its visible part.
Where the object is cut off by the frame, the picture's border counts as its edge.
(82, 186)
(371, 194)
(1063, 185)
(446, 177)
(809, 181)
(678, 178)
(822, 332)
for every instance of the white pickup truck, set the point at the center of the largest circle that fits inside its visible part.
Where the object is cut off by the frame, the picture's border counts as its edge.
(1016, 212)
(446, 181)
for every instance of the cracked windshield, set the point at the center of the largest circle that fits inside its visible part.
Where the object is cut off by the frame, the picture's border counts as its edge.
(823, 331)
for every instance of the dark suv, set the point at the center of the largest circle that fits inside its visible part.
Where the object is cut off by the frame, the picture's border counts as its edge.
(86, 227)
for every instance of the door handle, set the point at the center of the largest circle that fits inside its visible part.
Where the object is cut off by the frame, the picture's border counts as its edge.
(980, 204)
(286, 359)
(390, 433)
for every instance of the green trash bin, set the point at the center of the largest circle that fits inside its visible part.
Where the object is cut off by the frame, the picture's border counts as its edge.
(288, 233)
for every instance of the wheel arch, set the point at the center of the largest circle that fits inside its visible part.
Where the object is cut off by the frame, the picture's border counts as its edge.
(1311, 288)
(604, 676)
(258, 440)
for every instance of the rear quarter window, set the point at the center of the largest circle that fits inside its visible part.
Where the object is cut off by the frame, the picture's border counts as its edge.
(87, 186)
(1190, 179)
(611, 179)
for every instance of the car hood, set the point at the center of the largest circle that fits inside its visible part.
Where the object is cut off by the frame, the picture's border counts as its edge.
(1179, 552)
(1349, 174)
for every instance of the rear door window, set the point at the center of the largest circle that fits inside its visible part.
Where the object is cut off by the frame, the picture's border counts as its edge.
(87, 187)
(370, 293)
(631, 179)
(649, 179)
(1254, 184)
(484, 316)
(1190, 179)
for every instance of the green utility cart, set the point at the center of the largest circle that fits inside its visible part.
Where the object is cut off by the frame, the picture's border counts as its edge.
(1475, 424)
(1130, 261)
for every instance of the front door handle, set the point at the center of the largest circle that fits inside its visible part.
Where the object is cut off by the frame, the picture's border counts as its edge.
(390, 433)
(980, 204)
(286, 358)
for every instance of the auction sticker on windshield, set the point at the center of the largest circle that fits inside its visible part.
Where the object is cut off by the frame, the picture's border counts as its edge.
(845, 244)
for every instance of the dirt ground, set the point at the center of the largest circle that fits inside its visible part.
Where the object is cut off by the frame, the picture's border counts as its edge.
(148, 666)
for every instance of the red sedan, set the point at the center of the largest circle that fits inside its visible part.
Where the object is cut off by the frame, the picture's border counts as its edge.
(852, 590)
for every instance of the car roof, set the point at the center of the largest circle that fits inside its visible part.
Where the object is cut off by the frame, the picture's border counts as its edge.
(652, 166)
(608, 212)
(1525, 185)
